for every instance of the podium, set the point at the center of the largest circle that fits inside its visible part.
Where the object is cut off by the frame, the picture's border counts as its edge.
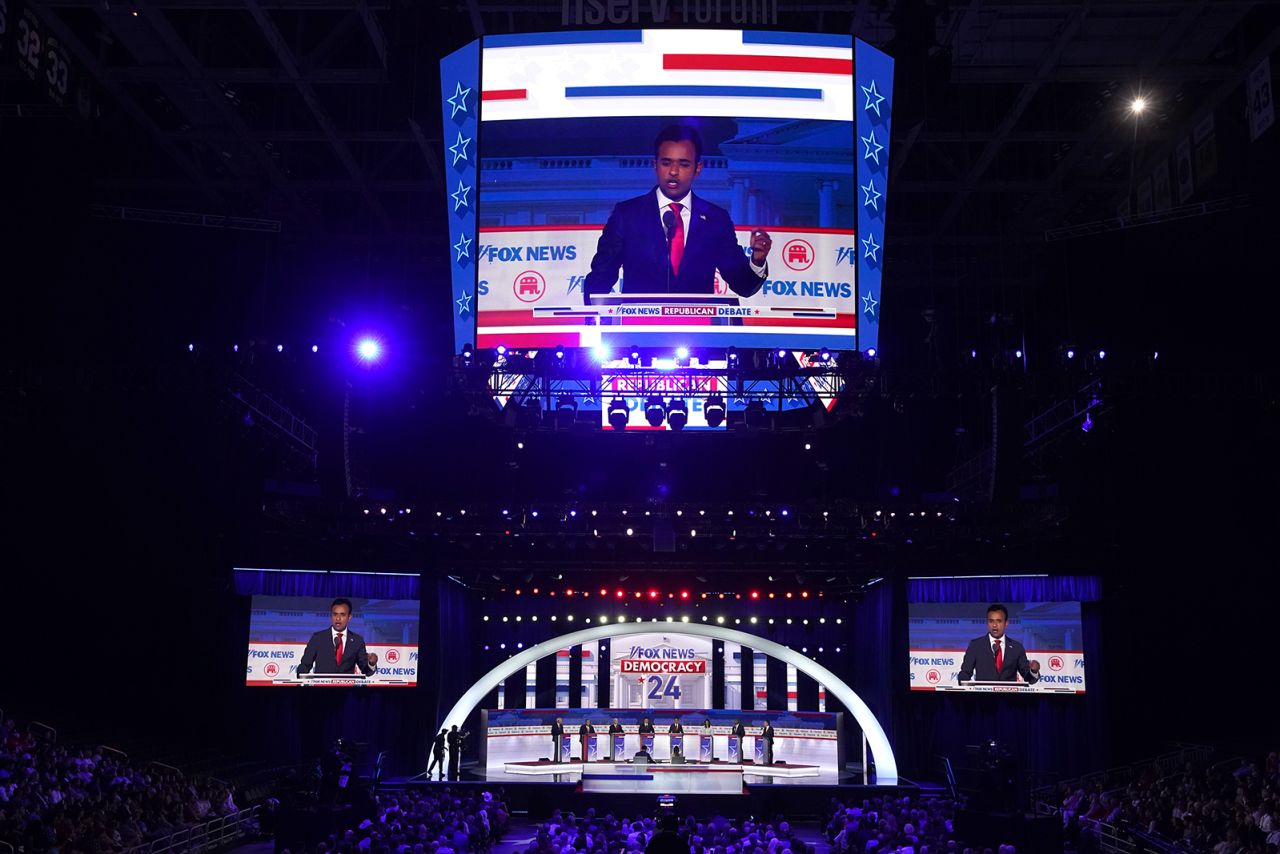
(759, 752)
(704, 749)
(618, 746)
(677, 740)
(735, 749)
(617, 309)
(566, 748)
(646, 741)
(588, 747)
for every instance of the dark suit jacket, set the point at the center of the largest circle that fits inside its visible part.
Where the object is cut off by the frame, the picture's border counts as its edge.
(635, 240)
(978, 658)
(678, 729)
(615, 729)
(739, 730)
(557, 730)
(586, 729)
(319, 652)
(767, 734)
(646, 729)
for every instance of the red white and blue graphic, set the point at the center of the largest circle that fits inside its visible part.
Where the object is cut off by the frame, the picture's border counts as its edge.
(460, 114)
(874, 105)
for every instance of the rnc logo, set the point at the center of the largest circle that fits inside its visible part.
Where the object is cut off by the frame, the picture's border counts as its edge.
(272, 669)
(798, 254)
(530, 286)
(933, 677)
(393, 655)
(1055, 662)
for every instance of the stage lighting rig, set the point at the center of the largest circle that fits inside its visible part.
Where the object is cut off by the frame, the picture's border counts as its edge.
(618, 414)
(677, 413)
(654, 411)
(714, 410)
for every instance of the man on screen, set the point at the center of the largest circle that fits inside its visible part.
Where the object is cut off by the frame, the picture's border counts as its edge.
(671, 241)
(996, 657)
(337, 649)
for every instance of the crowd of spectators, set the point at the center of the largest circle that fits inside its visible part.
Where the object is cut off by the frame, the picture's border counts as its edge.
(608, 834)
(434, 821)
(64, 799)
(899, 824)
(1223, 808)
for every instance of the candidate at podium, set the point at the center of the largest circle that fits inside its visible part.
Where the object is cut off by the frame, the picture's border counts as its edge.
(615, 729)
(766, 735)
(583, 731)
(676, 728)
(337, 649)
(557, 737)
(741, 732)
(996, 657)
(671, 241)
(646, 728)
(709, 733)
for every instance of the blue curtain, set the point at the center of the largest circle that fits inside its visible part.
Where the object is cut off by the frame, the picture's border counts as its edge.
(1058, 588)
(249, 582)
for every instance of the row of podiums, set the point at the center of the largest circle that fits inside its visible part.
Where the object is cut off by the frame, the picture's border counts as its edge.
(590, 747)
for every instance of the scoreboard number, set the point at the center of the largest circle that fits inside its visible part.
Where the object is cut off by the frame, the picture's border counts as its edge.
(657, 691)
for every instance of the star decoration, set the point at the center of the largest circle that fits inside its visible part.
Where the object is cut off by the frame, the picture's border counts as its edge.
(873, 97)
(872, 196)
(462, 247)
(869, 303)
(459, 100)
(459, 149)
(460, 196)
(464, 303)
(873, 148)
(869, 244)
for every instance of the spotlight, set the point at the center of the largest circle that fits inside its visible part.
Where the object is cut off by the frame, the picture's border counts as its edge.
(191, 348)
(501, 349)
(973, 353)
(566, 410)
(682, 352)
(1102, 354)
(559, 354)
(634, 356)
(677, 414)
(618, 414)
(315, 348)
(782, 354)
(654, 411)
(601, 352)
(235, 348)
(631, 531)
(871, 352)
(467, 353)
(279, 348)
(1087, 424)
(1017, 354)
(731, 356)
(1071, 354)
(1138, 105)
(824, 355)
(369, 349)
(714, 410)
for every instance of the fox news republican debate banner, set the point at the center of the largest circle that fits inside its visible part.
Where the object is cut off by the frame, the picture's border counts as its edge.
(939, 634)
(795, 141)
(281, 626)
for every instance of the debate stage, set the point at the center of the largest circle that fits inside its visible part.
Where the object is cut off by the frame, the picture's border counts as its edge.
(659, 777)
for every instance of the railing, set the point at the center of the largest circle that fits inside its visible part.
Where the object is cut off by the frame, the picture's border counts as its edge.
(202, 837)
(109, 749)
(167, 767)
(53, 732)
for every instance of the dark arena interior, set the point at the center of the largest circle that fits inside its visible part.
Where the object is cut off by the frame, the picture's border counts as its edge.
(725, 427)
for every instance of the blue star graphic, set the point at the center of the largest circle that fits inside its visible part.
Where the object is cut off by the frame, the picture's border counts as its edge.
(871, 247)
(459, 150)
(873, 148)
(464, 303)
(739, 400)
(459, 196)
(873, 97)
(462, 247)
(872, 197)
(869, 303)
(459, 100)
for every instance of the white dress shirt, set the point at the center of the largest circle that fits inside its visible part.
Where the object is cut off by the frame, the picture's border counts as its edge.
(686, 219)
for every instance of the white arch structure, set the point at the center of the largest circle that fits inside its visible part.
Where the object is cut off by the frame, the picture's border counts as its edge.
(877, 741)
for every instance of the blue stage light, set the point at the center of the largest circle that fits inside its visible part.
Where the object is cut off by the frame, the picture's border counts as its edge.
(191, 348)
(369, 349)
(315, 348)
(824, 355)
(782, 354)
(1102, 354)
(1017, 354)
(559, 353)
(634, 356)
(682, 352)
(1071, 354)
(601, 352)
(501, 349)
(871, 352)
(279, 348)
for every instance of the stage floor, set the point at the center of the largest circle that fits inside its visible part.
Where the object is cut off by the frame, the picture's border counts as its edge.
(748, 773)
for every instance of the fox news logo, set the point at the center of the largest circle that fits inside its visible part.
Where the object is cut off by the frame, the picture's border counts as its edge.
(525, 254)
(846, 255)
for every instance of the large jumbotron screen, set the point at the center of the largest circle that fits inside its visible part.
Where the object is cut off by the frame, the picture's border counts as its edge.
(559, 189)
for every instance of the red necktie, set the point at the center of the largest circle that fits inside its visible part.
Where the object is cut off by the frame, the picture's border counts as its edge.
(999, 657)
(337, 653)
(677, 238)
